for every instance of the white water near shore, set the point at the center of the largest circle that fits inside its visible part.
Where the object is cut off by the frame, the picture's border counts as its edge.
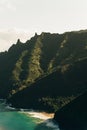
(41, 115)
(46, 118)
(40, 120)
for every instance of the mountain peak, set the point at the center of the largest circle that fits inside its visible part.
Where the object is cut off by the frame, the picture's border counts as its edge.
(18, 41)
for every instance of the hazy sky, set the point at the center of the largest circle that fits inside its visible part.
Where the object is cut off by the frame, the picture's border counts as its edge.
(22, 18)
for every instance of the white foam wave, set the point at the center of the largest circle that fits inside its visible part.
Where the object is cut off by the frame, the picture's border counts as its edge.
(51, 124)
(5, 107)
(10, 108)
(39, 115)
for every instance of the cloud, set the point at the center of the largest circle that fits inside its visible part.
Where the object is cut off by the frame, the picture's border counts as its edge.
(9, 37)
(7, 4)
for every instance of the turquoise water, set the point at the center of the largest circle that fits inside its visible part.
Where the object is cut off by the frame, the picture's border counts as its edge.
(20, 121)
(16, 121)
(13, 120)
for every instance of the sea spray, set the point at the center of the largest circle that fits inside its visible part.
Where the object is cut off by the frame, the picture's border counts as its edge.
(51, 124)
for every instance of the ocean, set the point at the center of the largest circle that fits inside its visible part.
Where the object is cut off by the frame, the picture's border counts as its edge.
(20, 120)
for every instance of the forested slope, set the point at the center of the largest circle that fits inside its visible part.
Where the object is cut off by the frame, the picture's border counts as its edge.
(48, 69)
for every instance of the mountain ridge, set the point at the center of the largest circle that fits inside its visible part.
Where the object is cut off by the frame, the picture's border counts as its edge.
(57, 61)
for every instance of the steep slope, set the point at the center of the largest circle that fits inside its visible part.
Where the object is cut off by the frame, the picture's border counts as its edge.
(55, 90)
(74, 115)
(52, 66)
(10, 66)
(26, 62)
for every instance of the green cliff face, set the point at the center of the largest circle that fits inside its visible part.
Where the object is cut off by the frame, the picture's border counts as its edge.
(49, 70)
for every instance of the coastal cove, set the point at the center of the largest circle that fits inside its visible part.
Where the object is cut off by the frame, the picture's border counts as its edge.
(25, 120)
(21, 121)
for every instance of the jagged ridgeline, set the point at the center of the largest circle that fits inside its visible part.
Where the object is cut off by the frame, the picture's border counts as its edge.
(48, 69)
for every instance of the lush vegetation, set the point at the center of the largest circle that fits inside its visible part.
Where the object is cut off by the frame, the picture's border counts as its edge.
(46, 72)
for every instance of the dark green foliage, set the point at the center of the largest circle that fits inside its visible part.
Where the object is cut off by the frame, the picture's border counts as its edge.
(53, 91)
(55, 103)
(48, 69)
